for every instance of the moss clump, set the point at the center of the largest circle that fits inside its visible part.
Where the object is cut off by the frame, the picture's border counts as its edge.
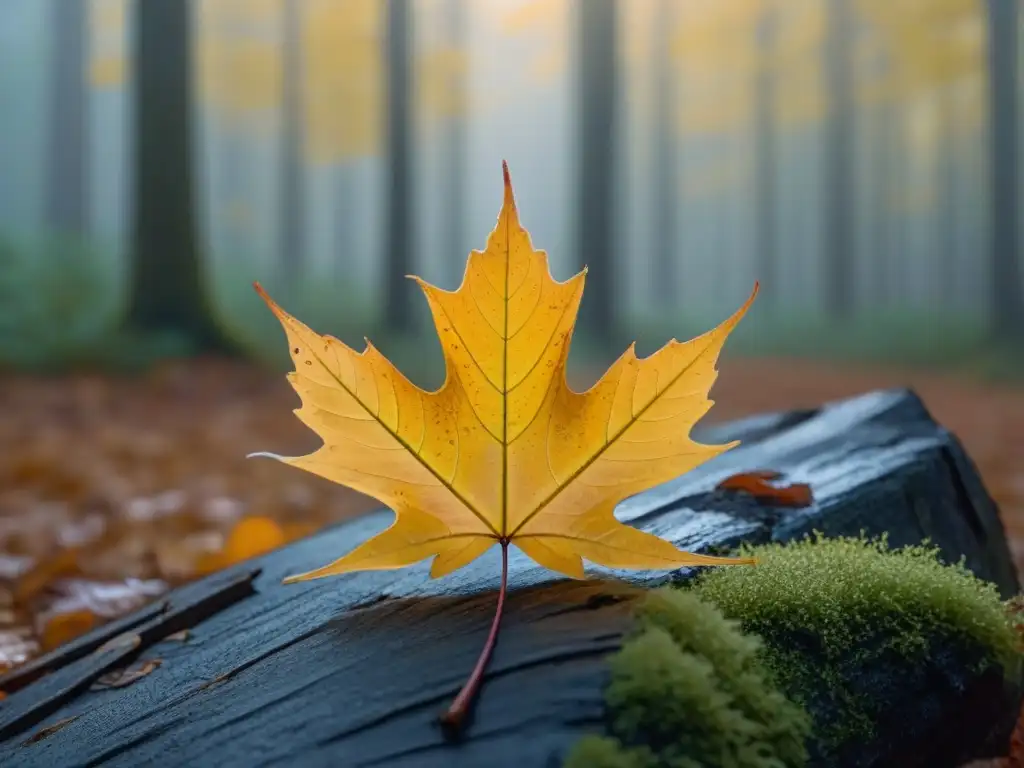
(689, 690)
(830, 610)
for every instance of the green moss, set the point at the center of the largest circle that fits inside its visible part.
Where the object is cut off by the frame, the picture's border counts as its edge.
(689, 690)
(731, 670)
(606, 752)
(827, 608)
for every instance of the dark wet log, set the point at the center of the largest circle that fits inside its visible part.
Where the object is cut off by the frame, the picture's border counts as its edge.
(352, 671)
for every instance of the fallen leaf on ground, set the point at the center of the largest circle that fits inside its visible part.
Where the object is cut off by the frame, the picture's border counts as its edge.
(78, 605)
(119, 678)
(180, 636)
(758, 485)
(62, 627)
(505, 452)
(109, 477)
(252, 537)
(43, 573)
(108, 600)
(17, 645)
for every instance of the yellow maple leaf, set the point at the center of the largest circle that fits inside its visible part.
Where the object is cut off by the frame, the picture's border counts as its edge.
(505, 452)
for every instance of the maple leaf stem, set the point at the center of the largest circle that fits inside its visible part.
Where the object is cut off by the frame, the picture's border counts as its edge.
(453, 719)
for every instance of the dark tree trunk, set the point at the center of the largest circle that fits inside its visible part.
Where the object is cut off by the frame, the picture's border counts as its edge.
(1003, 39)
(666, 184)
(398, 225)
(596, 165)
(166, 273)
(292, 243)
(838, 250)
(455, 147)
(764, 149)
(67, 179)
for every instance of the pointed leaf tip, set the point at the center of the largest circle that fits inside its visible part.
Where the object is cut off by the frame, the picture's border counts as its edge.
(263, 293)
(509, 197)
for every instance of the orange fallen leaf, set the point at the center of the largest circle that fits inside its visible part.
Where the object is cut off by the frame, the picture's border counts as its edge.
(62, 627)
(119, 678)
(44, 573)
(505, 452)
(251, 537)
(757, 484)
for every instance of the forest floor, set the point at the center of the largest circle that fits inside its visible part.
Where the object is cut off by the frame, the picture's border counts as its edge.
(114, 489)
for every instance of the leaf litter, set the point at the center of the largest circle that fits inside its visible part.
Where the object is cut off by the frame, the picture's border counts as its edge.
(115, 489)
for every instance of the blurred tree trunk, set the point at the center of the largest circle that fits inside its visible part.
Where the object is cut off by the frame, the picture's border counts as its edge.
(346, 199)
(67, 179)
(455, 144)
(398, 222)
(838, 251)
(666, 160)
(166, 273)
(597, 68)
(291, 250)
(764, 148)
(898, 172)
(1003, 39)
(881, 197)
(949, 220)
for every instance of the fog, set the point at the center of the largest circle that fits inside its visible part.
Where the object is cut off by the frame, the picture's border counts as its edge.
(838, 151)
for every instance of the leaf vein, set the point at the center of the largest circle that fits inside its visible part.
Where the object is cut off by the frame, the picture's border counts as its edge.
(451, 489)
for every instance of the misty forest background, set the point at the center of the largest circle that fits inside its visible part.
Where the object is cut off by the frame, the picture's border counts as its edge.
(861, 158)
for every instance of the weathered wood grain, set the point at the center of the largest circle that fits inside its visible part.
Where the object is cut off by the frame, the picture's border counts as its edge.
(352, 671)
